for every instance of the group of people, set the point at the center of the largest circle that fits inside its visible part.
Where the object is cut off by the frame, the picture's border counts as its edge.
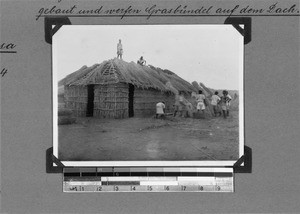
(217, 103)
(220, 105)
(141, 61)
(223, 101)
(180, 107)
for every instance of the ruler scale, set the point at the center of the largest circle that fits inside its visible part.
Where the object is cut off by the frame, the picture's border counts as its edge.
(148, 180)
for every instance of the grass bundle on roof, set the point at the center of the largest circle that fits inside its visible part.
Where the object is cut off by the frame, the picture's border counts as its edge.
(141, 76)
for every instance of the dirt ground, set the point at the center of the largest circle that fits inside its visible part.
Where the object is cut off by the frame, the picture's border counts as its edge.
(91, 139)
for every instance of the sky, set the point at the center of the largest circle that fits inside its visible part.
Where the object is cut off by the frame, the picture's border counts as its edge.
(211, 54)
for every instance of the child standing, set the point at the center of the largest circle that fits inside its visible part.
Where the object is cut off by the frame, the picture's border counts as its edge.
(179, 104)
(225, 103)
(200, 99)
(215, 99)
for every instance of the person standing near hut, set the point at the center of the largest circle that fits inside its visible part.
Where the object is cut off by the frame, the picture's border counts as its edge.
(119, 49)
(160, 109)
(176, 104)
(200, 99)
(225, 103)
(141, 61)
(215, 99)
(179, 104)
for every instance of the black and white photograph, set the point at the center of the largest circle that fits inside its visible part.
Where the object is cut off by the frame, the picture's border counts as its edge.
(148, 95)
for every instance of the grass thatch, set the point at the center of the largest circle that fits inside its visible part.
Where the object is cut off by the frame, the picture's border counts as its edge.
(81, 73)
(176, 81)
(120, 71)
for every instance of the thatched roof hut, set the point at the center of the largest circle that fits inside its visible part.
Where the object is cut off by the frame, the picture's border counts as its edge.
(140, 76)
(118, 89)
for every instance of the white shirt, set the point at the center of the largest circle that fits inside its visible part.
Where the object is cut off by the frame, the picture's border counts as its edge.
(200, 98)
(160, 108)
(215, 99)
(181, 98)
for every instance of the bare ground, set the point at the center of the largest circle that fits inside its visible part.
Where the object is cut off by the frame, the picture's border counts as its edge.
(139, 139)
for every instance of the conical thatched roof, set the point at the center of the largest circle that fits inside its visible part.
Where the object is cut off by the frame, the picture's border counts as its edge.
(116, 70)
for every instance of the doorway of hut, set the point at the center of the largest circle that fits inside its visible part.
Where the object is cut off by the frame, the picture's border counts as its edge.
(90, 101)
(130, 100)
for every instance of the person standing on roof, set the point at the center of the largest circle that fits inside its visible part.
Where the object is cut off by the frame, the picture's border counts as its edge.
(119, 49)
(141, 61)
